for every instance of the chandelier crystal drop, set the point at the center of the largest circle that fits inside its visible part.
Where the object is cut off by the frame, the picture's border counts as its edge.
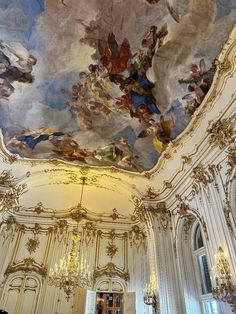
(222, 280)
(71, 272)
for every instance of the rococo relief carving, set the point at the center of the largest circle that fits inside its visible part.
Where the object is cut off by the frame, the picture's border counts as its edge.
(222, 132)
(32, 244)
(146, 211)
(27, 266)
(111, 270)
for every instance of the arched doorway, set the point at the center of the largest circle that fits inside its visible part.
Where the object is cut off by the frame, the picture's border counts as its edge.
(109, 296)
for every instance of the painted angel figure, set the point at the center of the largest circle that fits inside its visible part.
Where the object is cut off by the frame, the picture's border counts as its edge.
(114, 58)
(14, 55)
(16, 64)
(198, 74)
(199, 80)
(160, 131)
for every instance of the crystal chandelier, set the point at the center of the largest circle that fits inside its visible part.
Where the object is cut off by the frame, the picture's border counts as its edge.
(223, 287)
(73, 270)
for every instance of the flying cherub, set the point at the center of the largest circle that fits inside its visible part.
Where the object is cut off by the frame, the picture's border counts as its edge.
(115, 58)
(160, 131)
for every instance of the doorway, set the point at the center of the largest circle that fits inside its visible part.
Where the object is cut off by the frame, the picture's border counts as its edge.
(109, 303)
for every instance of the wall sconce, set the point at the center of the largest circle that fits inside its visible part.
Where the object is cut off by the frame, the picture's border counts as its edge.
(149, 296)
(222, 280)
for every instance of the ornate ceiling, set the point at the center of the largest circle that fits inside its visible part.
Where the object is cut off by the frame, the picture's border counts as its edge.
(105, 83)
(38, 124)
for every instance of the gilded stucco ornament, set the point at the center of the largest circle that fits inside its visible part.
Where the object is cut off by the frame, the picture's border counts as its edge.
(39, 208)
(10, 158)
(111, 270)
(222, 132)
(28, 265)
(227, 214)
(89, 232)
(137, 237)
(160, 212)
(163, 216)
(10, 200)
(115, 215)
(183, 209)
(32, 244)
(79, 213)
(202, 176)
(150, 194)
(188, 226)
(111, 250)
(187, 159)
(61, 229)
(224, 66)
(231, 159)
(6, 178)
(112, 234)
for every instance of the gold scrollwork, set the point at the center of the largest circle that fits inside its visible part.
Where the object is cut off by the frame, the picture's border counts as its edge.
(186, 159)
(115, 215)
(223, 67)
(111, 270)
(150, 194)
(6, 178)
(10, 200)
(11, 159)
(183, 209)
(222, 132)
(111, 250)
(136, 236)
(203, 176)
(39, 208)
(231, 159)
(227, 214)
(187, 226)
(28, 265)
(32, 244)
(89, 232)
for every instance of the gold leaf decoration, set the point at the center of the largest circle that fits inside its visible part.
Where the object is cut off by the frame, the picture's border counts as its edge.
(111, 250)
(222, 132)
(32, 244)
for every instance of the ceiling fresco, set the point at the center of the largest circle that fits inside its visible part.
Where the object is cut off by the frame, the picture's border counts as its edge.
(105, 82)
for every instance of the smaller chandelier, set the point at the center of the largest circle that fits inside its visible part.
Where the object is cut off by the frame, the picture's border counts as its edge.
(149, 296)
(71, 272)
(223, 287)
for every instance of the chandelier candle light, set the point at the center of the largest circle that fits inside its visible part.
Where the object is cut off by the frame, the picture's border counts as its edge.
(149, 296)
(72, 271)
(223, 287)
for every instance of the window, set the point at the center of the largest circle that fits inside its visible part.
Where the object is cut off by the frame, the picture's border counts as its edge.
(205, 288)
(210, 307)
(198, 241)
